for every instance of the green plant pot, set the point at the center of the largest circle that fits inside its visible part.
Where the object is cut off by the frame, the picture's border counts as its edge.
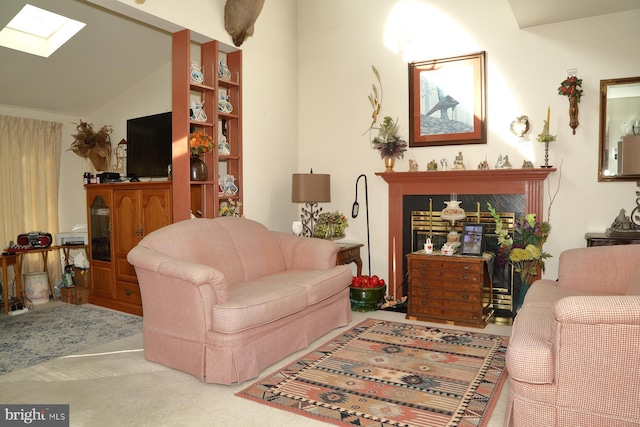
(366, 299)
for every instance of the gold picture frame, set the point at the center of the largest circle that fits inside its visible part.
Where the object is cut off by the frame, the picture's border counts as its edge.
(447, 101)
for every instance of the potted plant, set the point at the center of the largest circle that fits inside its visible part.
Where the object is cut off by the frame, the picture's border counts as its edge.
(330, 225)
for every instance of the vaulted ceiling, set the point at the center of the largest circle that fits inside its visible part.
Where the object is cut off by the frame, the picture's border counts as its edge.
(114, 52)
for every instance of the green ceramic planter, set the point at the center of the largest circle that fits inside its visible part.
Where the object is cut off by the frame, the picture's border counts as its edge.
(366, 299)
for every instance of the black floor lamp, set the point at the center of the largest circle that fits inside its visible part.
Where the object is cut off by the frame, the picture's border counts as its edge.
(356, 208)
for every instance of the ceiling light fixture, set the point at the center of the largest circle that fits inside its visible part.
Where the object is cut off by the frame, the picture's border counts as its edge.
(38, 31)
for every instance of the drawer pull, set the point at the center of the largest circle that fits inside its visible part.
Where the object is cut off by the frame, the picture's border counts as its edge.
(465, 277)
(465, 296)
(466, 267)
(127, 292)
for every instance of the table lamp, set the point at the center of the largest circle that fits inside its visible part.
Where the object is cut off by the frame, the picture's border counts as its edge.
(311, 189)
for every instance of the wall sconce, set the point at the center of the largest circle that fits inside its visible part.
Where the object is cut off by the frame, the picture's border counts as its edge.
(311, 189)
(572, 88)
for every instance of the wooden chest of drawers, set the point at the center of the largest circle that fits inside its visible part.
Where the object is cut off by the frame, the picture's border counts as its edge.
(456, 290)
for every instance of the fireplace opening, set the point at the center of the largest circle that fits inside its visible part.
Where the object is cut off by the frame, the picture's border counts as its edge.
(421, 220)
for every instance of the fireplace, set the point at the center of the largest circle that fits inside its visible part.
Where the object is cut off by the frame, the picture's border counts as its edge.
(510, 190)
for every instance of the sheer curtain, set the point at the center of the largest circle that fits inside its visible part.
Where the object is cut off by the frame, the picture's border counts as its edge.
(29, 173)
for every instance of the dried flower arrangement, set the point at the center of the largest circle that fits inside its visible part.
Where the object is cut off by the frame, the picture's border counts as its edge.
(94, 145)
(388, 142)
(200, 143)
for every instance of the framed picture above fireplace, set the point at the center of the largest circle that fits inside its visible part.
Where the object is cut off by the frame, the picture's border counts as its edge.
(447, 104)
(473, 239)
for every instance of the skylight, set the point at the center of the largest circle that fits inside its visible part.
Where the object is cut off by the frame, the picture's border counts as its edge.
(38, 31)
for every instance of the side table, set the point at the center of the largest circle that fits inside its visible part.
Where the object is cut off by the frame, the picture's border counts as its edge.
(601, 239)
(6, 261)
(348, 253)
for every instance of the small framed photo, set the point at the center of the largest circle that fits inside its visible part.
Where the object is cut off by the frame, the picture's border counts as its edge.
(473, 238)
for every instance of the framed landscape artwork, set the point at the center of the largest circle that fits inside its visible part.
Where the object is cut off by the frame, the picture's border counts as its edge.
(447, 102)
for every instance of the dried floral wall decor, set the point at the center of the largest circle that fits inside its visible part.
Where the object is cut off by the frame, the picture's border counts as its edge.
(96, 146)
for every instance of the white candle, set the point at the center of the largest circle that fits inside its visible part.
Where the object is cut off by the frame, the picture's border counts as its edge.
(393, 268)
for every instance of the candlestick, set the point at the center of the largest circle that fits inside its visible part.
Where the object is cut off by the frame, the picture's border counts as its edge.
(394, 268)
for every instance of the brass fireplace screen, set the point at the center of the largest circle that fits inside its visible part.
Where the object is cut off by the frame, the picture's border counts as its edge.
(429, 224)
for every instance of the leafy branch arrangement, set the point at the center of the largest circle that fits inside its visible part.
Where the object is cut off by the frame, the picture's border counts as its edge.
(388, 142)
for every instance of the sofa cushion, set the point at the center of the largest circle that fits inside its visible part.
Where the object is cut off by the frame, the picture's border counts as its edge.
(320, 284)
(545, 293)
(257, 302)
(530, 351)
(634, 283)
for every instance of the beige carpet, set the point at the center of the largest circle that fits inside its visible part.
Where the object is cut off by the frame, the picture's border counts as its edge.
(113, 385)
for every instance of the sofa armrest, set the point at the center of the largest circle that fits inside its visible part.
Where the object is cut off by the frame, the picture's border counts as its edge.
(177, 296)
(604, 268)
(306, 253)
(164, 265)
(595, 343)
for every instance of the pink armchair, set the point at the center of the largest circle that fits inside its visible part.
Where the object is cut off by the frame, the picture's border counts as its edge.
(574, 354)
(224, 298)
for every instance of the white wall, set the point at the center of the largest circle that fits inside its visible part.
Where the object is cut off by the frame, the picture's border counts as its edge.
(340, 40)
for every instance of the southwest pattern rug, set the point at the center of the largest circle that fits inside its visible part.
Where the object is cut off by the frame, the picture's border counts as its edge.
(44, 334)
(382, 373)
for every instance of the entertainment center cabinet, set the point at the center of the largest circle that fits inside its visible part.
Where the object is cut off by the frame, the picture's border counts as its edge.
(120, 215)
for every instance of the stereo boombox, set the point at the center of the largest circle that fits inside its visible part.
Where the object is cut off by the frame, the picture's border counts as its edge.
(35, 239)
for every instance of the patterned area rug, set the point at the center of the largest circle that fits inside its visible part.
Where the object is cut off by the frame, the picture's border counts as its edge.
(382, 373)
(44, 334)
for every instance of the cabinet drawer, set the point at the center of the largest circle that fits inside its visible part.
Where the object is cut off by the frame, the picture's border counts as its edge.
(465, 276)
(461, 296)
(445, 313)
(447, 264)
(458, 285)
(128, 292)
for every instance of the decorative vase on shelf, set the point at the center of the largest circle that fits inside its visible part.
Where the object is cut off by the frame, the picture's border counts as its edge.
(389, 162)
(198, 169)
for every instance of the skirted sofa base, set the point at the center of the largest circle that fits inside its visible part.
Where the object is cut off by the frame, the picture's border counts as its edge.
(229, 358)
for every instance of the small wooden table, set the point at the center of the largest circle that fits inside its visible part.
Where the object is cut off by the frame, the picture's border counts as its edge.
(348, 253)
(456, 290)
(6, 261)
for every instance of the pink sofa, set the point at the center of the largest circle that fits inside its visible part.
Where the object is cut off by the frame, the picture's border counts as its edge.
(224, 298)
(574, 354)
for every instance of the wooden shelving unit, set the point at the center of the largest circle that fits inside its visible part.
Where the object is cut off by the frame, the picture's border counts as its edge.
(203, 198)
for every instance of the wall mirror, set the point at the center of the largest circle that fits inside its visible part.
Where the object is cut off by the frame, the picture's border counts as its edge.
(619, 154)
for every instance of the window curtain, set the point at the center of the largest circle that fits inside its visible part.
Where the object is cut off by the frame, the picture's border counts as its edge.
(29, 172)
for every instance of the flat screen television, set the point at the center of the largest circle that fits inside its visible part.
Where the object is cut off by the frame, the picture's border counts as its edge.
(149, 141)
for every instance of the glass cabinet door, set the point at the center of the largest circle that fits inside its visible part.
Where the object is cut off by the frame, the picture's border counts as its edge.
(100, 230)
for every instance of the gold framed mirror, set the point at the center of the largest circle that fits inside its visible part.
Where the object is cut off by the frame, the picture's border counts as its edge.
(619, 148)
